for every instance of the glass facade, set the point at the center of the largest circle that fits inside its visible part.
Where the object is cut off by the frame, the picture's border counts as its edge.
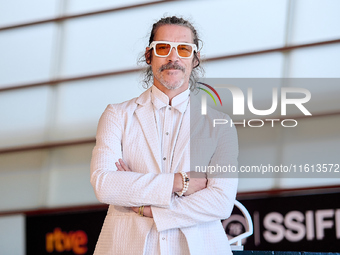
(68, 110)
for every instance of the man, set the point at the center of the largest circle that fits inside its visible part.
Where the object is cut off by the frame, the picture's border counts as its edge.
(141, 161)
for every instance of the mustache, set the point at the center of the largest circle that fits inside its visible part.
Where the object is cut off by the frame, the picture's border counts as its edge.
(171, 65)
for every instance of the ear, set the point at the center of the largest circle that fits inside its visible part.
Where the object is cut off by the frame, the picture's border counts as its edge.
(148, 55)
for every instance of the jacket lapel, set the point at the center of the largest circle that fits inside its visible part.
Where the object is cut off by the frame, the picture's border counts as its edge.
(146, 118)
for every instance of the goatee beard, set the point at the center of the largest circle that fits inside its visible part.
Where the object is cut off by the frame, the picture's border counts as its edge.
(169, 66)
(172, 86)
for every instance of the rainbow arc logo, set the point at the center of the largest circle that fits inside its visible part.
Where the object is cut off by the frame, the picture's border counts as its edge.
(209, 93)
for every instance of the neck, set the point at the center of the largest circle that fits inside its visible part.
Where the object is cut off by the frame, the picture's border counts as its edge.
(171, 93)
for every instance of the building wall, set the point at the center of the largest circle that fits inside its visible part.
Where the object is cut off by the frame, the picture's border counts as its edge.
(68, 110)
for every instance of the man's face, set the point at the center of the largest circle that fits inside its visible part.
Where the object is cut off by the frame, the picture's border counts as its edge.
(163, 68)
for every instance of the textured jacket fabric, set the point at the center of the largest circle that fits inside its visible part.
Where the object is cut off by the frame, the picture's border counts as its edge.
(128, 131)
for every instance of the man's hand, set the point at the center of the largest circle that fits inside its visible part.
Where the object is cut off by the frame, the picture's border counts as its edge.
(121, 166)
(195, 184)
(146, 212)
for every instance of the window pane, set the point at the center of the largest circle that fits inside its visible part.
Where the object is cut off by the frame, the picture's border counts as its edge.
(316, 20)
(70, 176)
(21, 174)
(314, 141)
(18, 11)
(80, 6)
(12, 234)
(24, 116)
(25, 54)
(307, 142)
(316, 62)
(229, 27)
(258, 66)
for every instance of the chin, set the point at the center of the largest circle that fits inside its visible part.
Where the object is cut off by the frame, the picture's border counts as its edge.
(173, 84)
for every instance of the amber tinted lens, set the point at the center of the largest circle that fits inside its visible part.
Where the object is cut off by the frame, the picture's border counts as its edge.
(162, 49)
(184, 50)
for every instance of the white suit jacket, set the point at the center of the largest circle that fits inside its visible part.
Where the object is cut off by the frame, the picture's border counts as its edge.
(128, 131)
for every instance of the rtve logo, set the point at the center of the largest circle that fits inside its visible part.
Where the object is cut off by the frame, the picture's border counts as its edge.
(60, 241)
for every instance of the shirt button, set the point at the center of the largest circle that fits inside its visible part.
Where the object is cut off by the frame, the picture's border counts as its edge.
(167, 133)
(164, 158)
(163, 238)
(169, 108)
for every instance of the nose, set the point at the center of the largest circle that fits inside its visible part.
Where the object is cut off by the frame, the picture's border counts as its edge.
(173, 54)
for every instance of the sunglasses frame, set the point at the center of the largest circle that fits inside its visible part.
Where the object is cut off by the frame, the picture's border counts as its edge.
(173, 45)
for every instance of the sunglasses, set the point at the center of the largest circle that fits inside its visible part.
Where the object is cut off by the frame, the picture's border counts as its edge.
(163, 49)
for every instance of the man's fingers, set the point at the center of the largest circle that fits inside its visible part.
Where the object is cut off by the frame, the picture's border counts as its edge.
(124, 165)
(135, 209)
(119, 167)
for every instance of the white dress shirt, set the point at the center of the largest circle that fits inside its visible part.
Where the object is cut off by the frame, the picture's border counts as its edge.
(168, 121)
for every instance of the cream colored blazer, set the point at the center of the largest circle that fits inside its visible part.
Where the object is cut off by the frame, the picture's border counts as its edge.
(128, 130)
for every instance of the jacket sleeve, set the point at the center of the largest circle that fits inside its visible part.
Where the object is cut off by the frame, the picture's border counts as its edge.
(130, 189)
(212, 203)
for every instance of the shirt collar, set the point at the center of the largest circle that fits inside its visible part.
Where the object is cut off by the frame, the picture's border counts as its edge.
(160, 99)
